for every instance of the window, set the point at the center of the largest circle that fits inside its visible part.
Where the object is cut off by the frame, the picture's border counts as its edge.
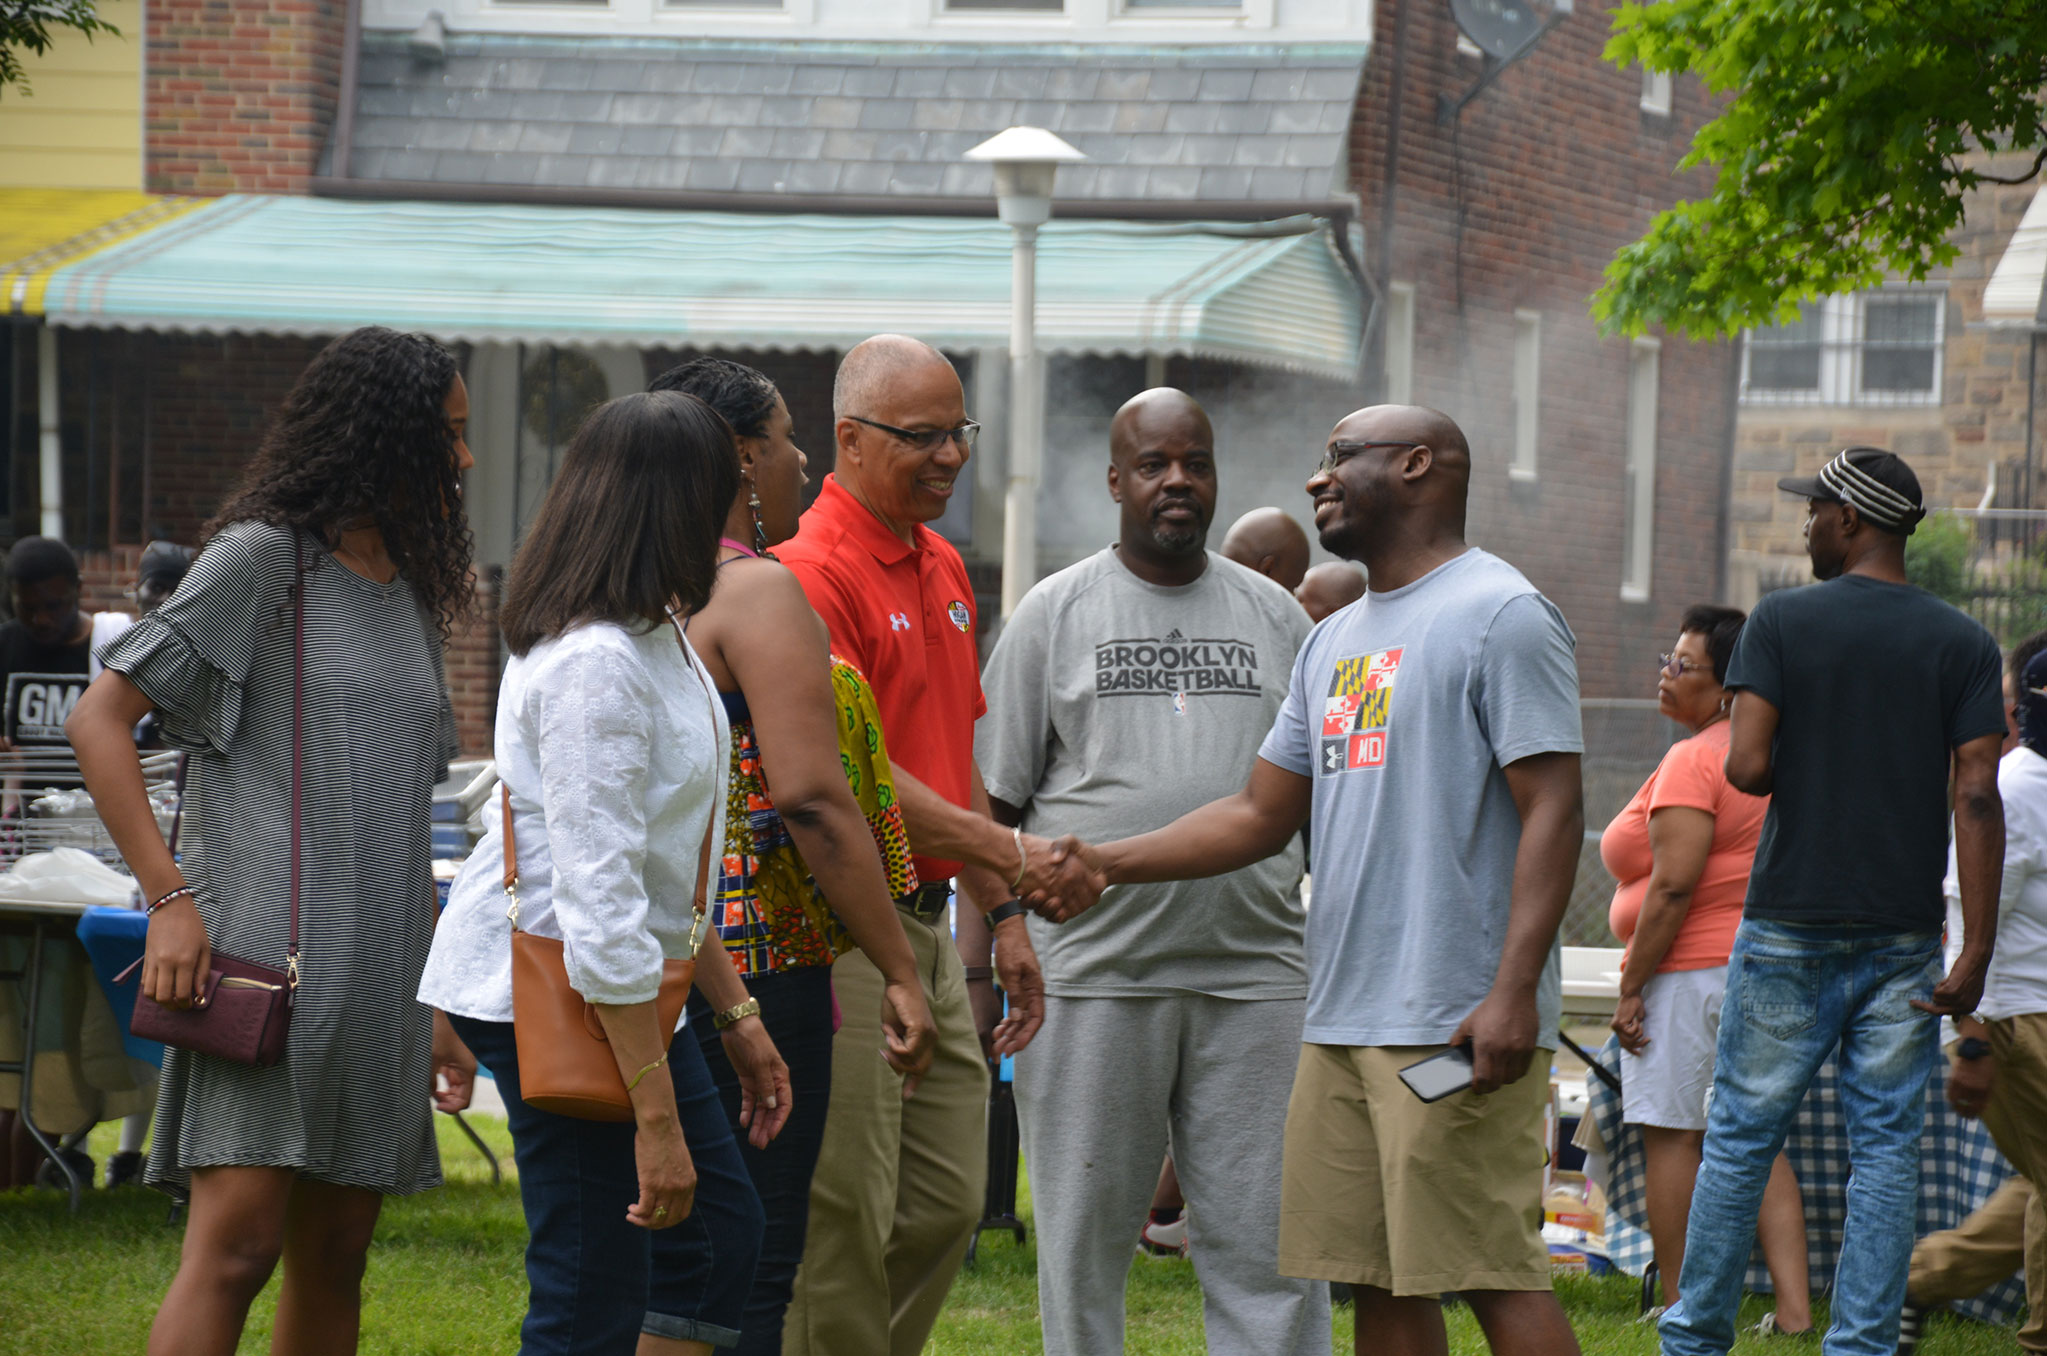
(1400, 344)
(1054, 5)
(1527, 392)
(1182, 4)
(1655, 91)
(1638, 541)
(1866, 348)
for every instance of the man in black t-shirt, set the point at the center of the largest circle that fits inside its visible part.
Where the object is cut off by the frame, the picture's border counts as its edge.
(1854, 700)
(46, 650)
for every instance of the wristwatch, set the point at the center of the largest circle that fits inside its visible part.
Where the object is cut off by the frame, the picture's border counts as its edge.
(1006, 910)
(750, 1008)
(1973, 1047)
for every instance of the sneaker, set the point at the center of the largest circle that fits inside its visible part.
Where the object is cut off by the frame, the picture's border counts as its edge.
(1650, 1317)
(1767, 1326)
(1911, 1323)
(1163, 1240)
(125, 1169)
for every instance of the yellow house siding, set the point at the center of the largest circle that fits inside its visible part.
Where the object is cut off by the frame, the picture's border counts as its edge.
(81, 126)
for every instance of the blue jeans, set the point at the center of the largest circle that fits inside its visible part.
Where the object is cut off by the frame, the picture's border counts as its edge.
(796, 1007)
(1793, 993)
(595, 1281)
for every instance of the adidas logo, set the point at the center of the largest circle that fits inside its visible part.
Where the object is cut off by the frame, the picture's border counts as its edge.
(1174, 634)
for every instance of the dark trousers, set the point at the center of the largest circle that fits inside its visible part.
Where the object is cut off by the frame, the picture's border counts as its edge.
(595, 1281)
(796, 1008)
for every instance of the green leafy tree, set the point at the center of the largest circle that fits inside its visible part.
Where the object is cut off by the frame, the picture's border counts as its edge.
(1937, 556)
(31, 25)
(1848, 133)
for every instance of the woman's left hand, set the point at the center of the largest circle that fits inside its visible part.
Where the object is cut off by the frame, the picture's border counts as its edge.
(1628, 1016)
(453, 1065)
(763, 1080)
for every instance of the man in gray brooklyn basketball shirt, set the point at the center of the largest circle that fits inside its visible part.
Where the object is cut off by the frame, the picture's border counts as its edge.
(1125, 691)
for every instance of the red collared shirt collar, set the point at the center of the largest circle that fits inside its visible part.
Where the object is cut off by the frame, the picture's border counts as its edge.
(839, 506)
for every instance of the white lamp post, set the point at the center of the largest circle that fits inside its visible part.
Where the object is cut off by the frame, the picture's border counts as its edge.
(1025, 160)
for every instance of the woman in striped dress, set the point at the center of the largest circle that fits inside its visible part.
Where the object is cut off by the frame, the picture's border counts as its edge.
(358, 485)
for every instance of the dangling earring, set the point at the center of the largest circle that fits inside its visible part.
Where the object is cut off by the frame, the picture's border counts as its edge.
(760, 533)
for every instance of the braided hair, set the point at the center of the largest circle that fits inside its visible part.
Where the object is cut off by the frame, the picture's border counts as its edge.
(745, 397)
(364, 436)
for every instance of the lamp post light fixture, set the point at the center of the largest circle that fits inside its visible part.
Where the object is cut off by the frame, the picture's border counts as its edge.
(1026, 159)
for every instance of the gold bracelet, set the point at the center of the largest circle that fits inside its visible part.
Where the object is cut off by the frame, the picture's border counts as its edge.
(1023, 858)
(644, 1072)
(739, 1012)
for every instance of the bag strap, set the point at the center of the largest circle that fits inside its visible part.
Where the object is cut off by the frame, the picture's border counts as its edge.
(700, 904)
(178, 810)
(298, 750)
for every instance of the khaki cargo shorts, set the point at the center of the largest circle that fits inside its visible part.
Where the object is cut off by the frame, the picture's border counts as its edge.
(1382, 1189)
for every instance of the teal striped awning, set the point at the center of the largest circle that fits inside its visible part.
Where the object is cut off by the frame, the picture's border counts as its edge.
(1276, 293)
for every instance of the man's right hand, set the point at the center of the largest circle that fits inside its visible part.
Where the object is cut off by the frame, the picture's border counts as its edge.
(1079, 877)
(1057, 884)
(1959, 991)
(176, 954)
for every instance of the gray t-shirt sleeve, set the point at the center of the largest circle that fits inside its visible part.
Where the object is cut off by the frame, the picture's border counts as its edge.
(1527, 697)
(1291, 742)
(1010, 740)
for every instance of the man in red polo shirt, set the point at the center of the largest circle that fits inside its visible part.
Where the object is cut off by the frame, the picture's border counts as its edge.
(900, 1183)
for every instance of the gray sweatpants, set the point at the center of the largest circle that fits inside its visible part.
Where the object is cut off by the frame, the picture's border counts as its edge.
(1098, 1093)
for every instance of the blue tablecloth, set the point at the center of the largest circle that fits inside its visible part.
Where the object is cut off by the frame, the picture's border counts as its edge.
(113, 939)
(1959, 1167)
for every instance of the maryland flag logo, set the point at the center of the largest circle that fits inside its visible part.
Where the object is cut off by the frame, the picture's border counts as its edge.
(1355, 713)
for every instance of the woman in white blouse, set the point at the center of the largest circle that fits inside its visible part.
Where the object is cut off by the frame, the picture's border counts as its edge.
(611, 741)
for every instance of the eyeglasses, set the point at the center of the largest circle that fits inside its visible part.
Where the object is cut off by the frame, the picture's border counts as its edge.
(1677, 666)
(927, 439)
(1341, 452)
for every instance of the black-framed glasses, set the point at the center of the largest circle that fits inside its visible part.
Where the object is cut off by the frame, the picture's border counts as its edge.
(927, 439)
(1677, 666)
(1341, 452)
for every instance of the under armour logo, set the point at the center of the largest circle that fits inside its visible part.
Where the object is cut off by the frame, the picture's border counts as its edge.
(898, 621)
(1332, 756)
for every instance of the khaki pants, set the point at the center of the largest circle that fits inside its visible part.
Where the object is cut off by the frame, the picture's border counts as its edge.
(900, 1185)
(2011, 1226)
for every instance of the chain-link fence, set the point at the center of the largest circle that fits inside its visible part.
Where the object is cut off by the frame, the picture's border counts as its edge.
(1625, 738)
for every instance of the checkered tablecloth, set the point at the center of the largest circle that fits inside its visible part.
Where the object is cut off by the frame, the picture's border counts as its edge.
(1959, 1167)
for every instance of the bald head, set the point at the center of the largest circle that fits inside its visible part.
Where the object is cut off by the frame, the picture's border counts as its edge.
(1418, 424)
(1269, 541)
(1330, 587)
(1159, 415)
(873, 367)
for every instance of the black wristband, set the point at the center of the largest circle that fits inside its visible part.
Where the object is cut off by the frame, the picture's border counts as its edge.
(1006, 910)
(974, 972)
(1973, 1047)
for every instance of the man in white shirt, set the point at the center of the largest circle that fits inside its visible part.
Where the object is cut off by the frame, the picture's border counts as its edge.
(1998, 1068)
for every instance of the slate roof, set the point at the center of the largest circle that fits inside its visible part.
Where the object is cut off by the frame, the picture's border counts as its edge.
(1185, 124)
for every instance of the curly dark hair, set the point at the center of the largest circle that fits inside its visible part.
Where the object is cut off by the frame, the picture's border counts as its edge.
(745, 397)
(364, 435)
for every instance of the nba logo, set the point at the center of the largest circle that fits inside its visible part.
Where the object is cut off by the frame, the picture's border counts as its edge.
(1366, 750)
(1179, 703)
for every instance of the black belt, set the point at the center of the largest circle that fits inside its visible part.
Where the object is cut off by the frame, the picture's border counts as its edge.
(928, 902)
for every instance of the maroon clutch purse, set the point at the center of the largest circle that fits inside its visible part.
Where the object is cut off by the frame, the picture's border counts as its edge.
(243, 1012)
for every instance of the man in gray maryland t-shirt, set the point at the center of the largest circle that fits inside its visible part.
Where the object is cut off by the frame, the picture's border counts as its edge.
(1433, 728)
(1125, 691)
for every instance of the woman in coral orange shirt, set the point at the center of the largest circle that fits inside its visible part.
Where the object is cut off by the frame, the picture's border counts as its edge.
(1681, 850)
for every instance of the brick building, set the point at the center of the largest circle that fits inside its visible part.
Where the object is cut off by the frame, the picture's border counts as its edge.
(1930, 370)
(1457, 277)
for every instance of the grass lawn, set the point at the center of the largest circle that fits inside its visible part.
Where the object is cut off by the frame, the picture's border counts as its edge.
(445, 1278)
